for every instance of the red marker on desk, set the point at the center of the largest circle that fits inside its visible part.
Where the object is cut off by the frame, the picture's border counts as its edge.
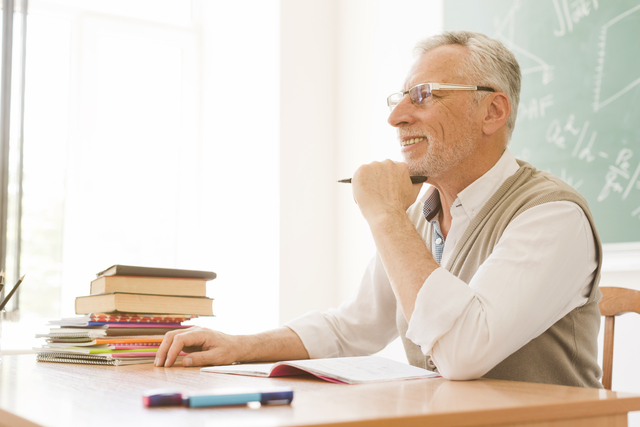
(222, 397)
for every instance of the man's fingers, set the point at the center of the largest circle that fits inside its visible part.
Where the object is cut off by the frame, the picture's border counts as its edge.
(192, 337)
(164, 347)
(174, 350)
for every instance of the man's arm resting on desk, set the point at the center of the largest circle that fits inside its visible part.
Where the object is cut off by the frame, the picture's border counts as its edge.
(209, 347)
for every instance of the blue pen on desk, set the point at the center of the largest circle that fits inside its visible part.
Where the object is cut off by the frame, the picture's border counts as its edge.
(221, 397)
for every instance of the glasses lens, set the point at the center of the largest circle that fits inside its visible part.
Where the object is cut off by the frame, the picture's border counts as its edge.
(420, 94)
(394, 99)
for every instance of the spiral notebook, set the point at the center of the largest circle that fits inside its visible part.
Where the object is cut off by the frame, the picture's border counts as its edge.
(93, 359)
(90, 359)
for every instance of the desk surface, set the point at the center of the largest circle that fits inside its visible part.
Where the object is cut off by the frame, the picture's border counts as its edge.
(53, 394)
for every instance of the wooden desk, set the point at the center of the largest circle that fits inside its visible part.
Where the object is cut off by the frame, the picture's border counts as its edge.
(52, 394)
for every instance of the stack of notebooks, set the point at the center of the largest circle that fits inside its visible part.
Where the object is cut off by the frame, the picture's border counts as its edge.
(126, 315)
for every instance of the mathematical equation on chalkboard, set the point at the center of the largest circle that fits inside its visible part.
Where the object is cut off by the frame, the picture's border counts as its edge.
(579, 83)
(622, 175)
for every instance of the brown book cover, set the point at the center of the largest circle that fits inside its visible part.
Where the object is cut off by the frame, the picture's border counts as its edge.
(150, 285)
(133, 270)
(143, 303)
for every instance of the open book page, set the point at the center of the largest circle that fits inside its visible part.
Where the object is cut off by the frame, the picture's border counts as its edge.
(349, 370)
(358, 370)
(251, 369)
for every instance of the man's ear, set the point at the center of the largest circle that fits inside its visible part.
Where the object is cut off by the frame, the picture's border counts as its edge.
(497, 110)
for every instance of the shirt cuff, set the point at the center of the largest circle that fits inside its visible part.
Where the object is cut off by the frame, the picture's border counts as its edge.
(440, 302)
(315, 334)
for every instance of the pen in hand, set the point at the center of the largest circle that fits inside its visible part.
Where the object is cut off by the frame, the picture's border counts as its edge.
(414, 180)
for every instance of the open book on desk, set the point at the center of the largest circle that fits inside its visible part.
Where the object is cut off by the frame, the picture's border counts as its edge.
(342, 370)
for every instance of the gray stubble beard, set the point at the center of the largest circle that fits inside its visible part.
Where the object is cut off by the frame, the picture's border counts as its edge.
(439, 158)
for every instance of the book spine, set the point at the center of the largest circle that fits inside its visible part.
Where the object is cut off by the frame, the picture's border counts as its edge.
(119, 319)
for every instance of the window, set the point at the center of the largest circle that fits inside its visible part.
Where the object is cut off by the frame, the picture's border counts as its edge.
(118, 151)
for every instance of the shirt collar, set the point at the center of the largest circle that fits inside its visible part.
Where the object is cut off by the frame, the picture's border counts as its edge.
(478, 193)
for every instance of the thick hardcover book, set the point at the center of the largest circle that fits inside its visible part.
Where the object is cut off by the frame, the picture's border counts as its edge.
(133, 270)
(150, 285)
(142, 303)
(343, 370)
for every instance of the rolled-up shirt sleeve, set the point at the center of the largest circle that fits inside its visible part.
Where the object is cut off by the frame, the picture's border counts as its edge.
(362, 325)
(540, 270)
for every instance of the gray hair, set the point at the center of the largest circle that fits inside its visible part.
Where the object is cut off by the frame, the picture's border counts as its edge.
(490, 64)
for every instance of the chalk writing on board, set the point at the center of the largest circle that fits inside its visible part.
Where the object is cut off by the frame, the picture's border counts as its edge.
(572, 13)
(583, 148)
(602, 45)
(535, 107)
(620, 178)
(540, 66)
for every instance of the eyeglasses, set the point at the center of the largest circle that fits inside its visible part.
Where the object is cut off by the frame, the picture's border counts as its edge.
(421, 93)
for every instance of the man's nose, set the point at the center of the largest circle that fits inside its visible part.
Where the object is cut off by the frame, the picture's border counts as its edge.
(402, 114)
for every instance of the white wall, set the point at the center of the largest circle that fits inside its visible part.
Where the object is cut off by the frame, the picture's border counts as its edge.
(241, 127)
(339, 62)
(307, 156)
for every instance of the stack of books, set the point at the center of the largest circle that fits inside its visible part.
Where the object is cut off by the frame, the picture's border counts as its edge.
(126, 315)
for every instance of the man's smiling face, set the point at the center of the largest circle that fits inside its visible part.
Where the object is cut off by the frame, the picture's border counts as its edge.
(441, 134)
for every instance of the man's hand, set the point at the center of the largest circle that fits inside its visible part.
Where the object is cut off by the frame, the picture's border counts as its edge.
(383, 188)
(206, 347)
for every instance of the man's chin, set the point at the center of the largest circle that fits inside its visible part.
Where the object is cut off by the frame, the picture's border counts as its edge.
(417, 171)
(416, 167)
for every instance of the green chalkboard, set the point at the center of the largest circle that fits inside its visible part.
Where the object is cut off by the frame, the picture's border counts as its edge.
(579, 114)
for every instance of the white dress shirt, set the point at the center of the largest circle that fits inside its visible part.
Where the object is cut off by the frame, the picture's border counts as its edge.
(541, 269)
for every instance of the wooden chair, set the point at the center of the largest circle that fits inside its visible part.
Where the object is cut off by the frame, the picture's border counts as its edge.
(615, 301)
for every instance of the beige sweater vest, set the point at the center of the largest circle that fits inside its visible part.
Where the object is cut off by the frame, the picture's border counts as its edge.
(566, 353)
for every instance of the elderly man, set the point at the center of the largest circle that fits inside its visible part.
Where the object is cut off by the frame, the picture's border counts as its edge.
(492, 273)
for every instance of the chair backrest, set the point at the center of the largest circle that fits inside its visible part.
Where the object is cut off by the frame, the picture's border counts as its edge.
(615, 301)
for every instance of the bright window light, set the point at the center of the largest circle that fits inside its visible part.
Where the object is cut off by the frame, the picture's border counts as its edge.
(131, 152)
